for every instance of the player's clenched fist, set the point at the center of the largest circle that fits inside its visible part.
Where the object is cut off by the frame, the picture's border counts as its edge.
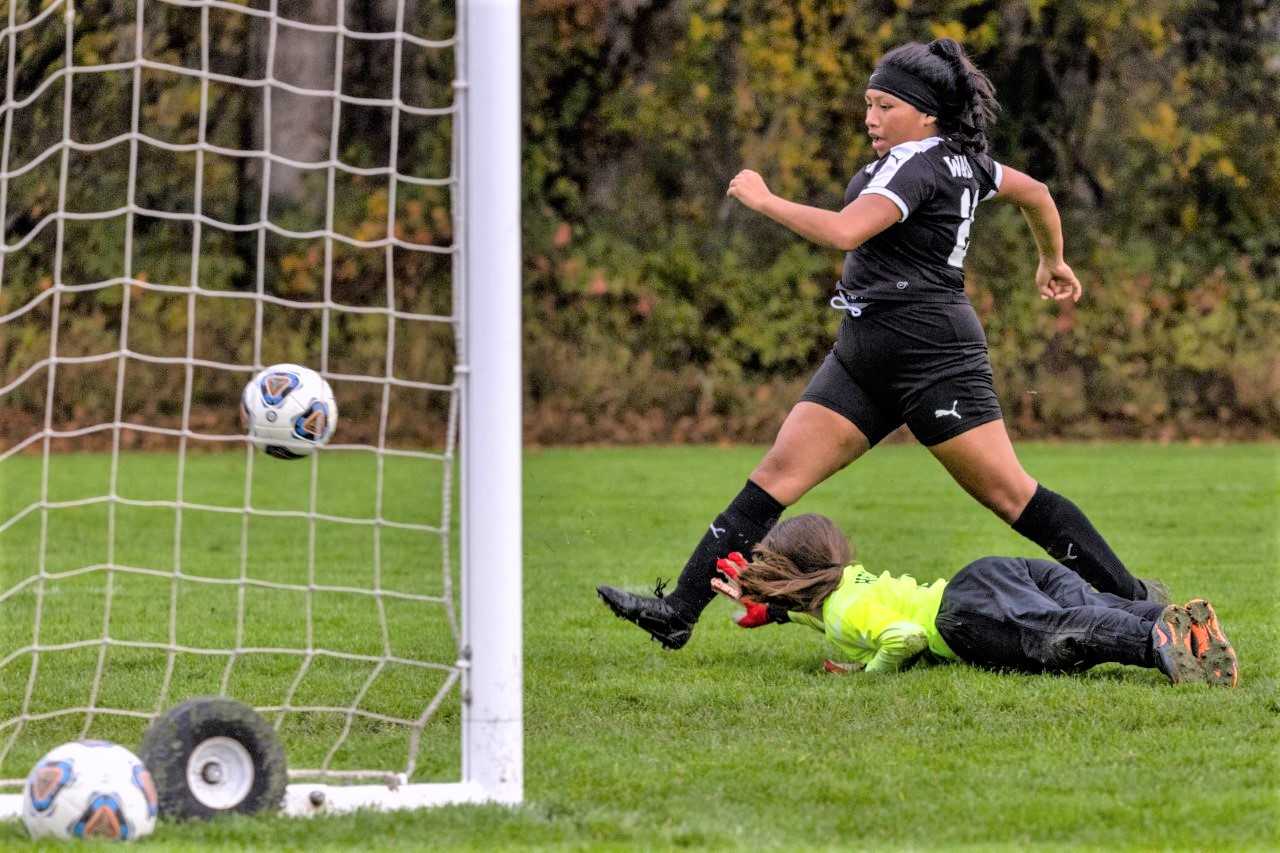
(749, 188)
(1056, 281)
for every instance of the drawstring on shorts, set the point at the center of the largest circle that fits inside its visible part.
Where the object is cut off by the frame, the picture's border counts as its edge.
(841, 302)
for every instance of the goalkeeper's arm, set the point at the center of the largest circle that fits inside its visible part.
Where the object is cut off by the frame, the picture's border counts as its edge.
(898, 643)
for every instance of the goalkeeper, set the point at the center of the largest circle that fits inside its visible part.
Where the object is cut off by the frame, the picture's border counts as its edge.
(1000, 612)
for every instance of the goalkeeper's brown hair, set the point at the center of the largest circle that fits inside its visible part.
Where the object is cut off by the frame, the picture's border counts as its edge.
(798, 564)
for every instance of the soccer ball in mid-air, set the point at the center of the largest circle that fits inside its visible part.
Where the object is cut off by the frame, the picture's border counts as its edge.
(288, 410)
(89, 789)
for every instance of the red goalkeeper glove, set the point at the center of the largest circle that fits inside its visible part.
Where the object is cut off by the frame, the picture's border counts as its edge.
(732, 565)
(756, 614)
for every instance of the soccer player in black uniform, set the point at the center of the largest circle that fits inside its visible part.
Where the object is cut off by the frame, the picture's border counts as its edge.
(910, 348)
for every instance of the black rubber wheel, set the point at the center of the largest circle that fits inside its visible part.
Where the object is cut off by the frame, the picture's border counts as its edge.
(212, 756)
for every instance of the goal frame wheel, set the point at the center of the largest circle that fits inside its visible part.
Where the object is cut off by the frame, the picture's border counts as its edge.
(212, 755)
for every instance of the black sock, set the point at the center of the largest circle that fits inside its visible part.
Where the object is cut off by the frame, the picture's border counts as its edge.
(743, 523)
(1060, 528)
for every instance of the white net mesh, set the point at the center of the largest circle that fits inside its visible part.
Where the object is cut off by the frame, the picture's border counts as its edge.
(191, 191)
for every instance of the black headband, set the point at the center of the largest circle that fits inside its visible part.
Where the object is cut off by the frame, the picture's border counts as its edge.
(907, 86)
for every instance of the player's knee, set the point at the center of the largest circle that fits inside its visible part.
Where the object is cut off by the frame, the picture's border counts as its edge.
(1062, 653)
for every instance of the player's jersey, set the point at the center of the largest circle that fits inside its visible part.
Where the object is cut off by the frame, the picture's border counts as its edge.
(881, 621)
(936, 187)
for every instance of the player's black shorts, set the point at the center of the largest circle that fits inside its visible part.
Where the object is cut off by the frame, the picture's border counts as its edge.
(924, 364)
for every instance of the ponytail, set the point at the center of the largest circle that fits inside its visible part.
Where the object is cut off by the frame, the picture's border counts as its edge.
(975, 96)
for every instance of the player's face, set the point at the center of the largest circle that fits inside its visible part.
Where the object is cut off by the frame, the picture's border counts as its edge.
(891, 121)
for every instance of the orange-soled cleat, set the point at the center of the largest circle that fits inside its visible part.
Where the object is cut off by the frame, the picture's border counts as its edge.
(1171, 644)
(1210, 645)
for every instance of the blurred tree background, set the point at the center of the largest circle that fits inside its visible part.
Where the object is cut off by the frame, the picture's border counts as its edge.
(656, 310)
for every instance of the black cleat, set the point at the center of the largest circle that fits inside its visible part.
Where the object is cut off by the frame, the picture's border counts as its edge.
(654, 614)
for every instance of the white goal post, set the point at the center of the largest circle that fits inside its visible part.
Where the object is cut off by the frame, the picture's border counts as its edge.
(483, 391)
(493, 729)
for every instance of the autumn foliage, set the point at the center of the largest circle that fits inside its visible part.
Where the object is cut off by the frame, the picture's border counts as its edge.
(655, 309)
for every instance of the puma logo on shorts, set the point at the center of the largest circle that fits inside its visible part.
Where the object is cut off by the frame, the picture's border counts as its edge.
(942, 413)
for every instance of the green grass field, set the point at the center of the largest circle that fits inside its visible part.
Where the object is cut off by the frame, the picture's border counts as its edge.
(737, 740)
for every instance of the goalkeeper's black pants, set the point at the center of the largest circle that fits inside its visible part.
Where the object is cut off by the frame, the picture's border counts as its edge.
(1039, 616)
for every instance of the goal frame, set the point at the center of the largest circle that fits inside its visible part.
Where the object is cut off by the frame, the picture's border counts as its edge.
(487, 270)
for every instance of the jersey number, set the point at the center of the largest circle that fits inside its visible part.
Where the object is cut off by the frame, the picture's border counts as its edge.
(968, 207)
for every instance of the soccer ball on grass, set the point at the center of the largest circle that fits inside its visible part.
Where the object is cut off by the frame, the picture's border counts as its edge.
(89, 789)
(288, 410)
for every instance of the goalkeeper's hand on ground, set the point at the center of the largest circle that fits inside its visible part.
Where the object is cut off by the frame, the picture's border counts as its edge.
(836, 667)
(726, 584)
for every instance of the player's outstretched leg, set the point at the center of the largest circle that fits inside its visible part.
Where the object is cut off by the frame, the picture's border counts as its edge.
(1210, 645)
(670, 619)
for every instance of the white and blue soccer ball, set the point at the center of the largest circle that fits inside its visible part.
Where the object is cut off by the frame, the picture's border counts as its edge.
(89, 789)
(288, 410)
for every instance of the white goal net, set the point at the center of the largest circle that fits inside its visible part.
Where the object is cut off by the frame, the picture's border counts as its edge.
(191, 190)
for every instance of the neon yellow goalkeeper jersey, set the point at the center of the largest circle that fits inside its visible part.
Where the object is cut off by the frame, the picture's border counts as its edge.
(883, 621)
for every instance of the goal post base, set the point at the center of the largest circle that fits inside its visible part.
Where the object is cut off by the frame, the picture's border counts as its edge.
(10, 806)
(303, 799)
